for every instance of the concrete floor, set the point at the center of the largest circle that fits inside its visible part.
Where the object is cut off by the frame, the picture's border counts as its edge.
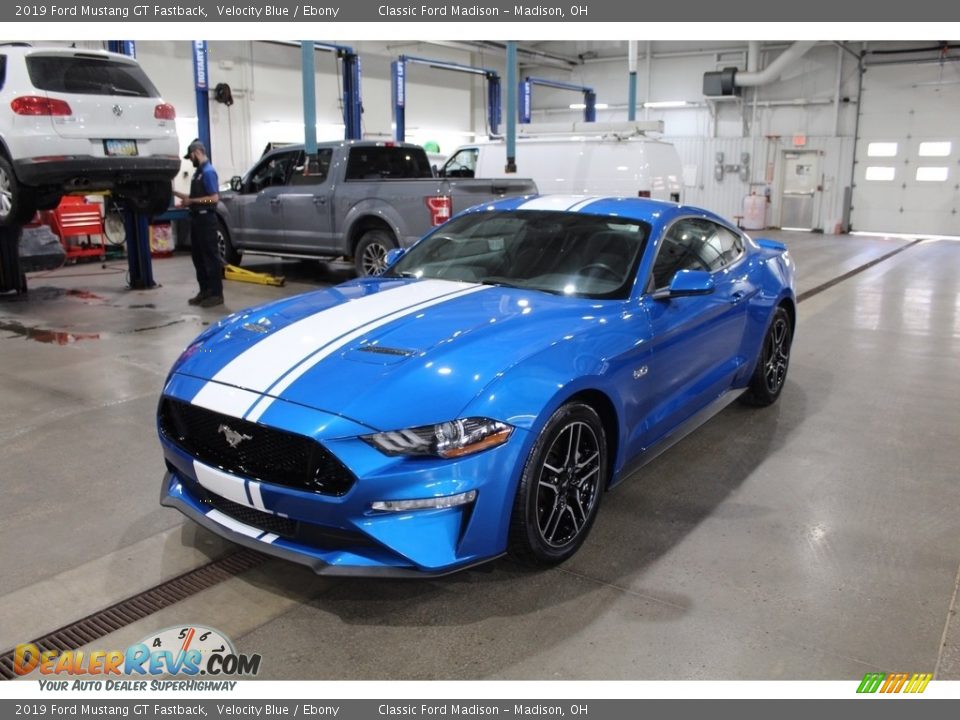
(817, 539)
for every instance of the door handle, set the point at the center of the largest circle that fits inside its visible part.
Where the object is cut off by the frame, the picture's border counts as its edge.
(319, 200)
(275, 201)
(737, 297)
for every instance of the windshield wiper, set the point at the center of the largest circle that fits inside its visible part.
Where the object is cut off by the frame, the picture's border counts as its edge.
(114, 90)
(501, 283)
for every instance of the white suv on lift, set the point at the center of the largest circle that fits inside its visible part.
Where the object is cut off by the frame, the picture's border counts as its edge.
(74, 121)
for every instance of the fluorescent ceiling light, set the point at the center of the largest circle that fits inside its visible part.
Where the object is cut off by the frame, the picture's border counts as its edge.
(666, 104)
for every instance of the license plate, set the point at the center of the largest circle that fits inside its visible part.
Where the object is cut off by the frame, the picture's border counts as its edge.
(120, 148)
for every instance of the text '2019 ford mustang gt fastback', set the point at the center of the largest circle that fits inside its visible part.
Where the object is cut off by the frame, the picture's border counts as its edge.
(480, 396)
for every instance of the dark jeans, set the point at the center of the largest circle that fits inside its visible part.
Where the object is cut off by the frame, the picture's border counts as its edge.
(206, 254)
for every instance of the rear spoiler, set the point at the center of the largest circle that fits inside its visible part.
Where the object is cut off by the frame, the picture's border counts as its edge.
(768, 244)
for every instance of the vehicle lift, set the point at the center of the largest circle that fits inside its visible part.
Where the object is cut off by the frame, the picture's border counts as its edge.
(398, 75)
(526, 97)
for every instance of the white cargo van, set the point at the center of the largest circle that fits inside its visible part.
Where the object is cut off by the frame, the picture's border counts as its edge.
(605, 163)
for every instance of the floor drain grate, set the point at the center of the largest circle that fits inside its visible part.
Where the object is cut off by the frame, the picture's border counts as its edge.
(79, 633)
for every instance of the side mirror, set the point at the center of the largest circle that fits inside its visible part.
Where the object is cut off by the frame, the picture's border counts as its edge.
(686, 283)
(392, 256)
(236, 182)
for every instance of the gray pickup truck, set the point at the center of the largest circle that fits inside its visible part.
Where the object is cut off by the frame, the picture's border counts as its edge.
(358, 200)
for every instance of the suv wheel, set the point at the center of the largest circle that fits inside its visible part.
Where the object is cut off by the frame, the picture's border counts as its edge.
(17, 202)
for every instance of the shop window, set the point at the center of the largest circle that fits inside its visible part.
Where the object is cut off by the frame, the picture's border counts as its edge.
(932, 174)
(935, 149)
(883, 173)
(882, 149)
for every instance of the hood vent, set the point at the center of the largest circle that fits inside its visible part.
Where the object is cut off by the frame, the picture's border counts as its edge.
(381, 350)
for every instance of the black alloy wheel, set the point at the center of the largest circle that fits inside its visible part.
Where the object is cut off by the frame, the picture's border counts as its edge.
(561, 487)
(772, 364)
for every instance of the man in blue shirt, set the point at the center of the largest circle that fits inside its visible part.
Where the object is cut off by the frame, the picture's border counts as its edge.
(202, 202)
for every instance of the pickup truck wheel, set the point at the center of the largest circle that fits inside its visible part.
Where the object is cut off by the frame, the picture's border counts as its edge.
(371, 255)
(17, 202)
(228, 253)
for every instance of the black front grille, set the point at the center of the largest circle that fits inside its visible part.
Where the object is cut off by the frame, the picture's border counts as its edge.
(319, 536)
(284, 527)
(266, 454)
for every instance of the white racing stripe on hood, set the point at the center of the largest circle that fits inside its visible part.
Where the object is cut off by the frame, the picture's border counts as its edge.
(265, 363)
(225, 399)
(555, 202)
(220, 483)
(296, 372)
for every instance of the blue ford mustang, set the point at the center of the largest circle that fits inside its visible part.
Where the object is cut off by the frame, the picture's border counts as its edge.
(480, 396)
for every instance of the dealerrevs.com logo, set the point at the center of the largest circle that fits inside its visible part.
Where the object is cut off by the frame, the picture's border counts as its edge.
(180, 651)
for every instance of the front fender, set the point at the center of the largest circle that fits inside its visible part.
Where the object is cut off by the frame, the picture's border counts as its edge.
(530, 392)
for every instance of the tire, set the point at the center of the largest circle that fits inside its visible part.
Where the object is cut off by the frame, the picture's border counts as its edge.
(228, 253)
(549, 522)
(48, 198)
(773, 361)
(370, 256)
(150, 198)
(17, 202)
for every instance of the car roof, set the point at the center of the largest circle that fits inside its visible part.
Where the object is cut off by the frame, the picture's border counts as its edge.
(341, 143)
(643, 209)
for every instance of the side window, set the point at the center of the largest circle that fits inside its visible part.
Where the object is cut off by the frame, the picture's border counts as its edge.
(271, 172)
(695, 244)
(3, 70)
(307, 174)
(378, 162)
(463, 164)
(730, 246)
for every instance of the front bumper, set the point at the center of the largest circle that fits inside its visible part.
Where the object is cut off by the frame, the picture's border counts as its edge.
(342, 535)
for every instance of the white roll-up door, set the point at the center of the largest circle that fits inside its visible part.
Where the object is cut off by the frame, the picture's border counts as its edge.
(907, 175)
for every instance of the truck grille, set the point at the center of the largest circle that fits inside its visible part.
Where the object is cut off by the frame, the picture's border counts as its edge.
(266, 454)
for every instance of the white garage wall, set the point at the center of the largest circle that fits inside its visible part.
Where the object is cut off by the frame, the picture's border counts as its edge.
(450, 107)
(730, 126)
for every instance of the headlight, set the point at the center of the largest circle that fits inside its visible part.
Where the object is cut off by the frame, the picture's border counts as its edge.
(447, 440)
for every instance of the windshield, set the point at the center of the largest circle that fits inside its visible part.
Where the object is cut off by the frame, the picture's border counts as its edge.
(563, 253)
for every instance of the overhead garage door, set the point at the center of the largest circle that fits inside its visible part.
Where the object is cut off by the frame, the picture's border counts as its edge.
(907, 177)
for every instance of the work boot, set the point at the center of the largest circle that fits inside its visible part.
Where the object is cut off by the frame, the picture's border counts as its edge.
(196, 299)
(211, 301)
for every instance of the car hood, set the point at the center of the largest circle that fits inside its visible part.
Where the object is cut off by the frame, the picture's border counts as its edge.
(387, 353)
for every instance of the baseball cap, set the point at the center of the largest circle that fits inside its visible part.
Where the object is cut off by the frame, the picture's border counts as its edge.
(197, 144)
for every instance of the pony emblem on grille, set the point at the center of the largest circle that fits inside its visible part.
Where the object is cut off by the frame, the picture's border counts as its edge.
(233, 437)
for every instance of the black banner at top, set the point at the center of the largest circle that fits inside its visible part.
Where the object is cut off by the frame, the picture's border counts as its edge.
(497, 11)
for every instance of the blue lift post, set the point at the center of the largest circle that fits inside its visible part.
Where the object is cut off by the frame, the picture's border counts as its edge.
(137, 226)
(352, 100)
(398, 88)
(511, 107)
(309, 74)
(124, 47)
(526, 97)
